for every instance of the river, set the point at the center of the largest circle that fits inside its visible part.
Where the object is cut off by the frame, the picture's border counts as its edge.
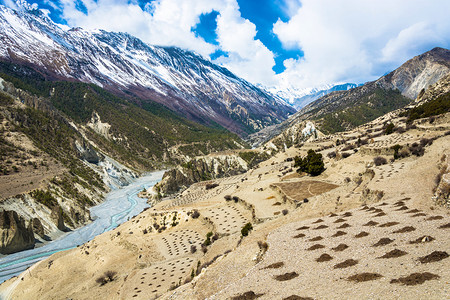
(119, 205)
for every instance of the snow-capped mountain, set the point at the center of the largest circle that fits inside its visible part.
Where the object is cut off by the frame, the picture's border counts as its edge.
(299, 98)
(181, 80)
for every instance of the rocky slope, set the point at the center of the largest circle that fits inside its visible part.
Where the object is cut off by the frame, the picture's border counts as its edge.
(178, 79)
(343, 110)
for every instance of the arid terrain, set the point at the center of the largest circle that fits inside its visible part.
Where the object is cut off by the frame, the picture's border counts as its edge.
(358, 230)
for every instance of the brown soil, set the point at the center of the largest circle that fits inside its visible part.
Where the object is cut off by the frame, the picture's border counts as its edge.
(413, 211)
(389, 224)
(394, 254)
(295, 297)
(422, 239)
(346, 263)
(347, 214)
(276, 204)
(361, 234)
(304, 189)
(286, 276)
(365, 207)
(383, 204)
(340, 220)
(445, 226)
(274, 265)
(247, 296)
(419, 215)
(405, 229)
(404, 207)
(433, 257)
(345, 225)
(371, 223)
(432, 218)
(415, 278)
(324, 257)
(380, 214)
(339, 233)
(315, 239)
(399, 203)
(340, 247)
(321, 227)
(383, 242)
(300, 235)
(315, 247)
(332, 215)
(318, 221)
(303, 228)
(364, 277)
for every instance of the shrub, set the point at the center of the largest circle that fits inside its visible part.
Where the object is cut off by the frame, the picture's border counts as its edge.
(211, 185)
(108, 276)
(227, 197)
(195, 214)
(379, 161)
(389, 128)
(345, 154)
(284, 212)
(332, 154)
(396, 148)
(348, 147)
(416, 149)
(235, 199)
(425, 142)
(193, 249)
(311, 164)
(246, 229)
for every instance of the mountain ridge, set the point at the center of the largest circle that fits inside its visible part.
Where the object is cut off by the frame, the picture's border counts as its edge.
(181, 80)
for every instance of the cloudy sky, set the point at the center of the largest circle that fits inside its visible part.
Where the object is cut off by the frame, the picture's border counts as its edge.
(286, 43)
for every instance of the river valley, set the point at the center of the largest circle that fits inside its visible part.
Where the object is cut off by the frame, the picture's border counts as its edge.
(119, 205)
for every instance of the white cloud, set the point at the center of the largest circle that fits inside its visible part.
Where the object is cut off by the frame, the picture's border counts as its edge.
(356, 41)
(248, 57)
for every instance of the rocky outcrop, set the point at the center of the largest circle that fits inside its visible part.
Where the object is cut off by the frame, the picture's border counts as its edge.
(14, 234)
(58, 218)
(38, 228)
(199, 169)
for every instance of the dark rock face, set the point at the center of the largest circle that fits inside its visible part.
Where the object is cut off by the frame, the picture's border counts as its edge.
(37, 227)
(14, 234)
(57, 218)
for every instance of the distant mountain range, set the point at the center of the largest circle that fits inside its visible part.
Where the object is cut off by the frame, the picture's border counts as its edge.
(181, 80)
(299, 98)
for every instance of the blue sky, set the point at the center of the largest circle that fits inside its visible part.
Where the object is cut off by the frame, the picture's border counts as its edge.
(287, 43)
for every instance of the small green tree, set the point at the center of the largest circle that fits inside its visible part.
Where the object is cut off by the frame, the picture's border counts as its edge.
(312, 163)
(246, 229)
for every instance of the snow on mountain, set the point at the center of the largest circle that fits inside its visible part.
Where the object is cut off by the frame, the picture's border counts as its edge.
(300, 97)
(178, 79)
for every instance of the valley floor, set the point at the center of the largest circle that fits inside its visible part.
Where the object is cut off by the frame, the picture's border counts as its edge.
(356, 231)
